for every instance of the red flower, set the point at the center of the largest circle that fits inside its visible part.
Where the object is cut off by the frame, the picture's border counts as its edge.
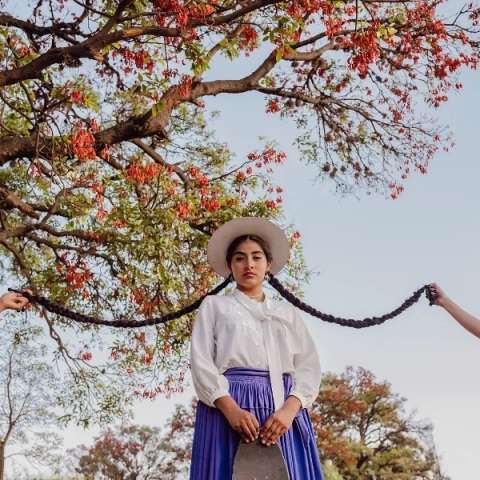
(82, 144)
(119, 224)
(182, 210)
(77, 276)
(248, 37)
(147, 358)
(77, 97)
(143, 173)
(212, 204)
(194, 171)
(101, 213)
(273, 106)
(239, 177)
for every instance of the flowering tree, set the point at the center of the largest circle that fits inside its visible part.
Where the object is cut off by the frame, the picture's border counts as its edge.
(112, 179)
(363, 428)
(138, 452)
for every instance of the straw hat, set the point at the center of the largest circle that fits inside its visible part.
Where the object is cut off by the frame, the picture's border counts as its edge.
(265, 229)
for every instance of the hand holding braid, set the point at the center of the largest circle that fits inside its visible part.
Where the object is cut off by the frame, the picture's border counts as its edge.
(290, 297)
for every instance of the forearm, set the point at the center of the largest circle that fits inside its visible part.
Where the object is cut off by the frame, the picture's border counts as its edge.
(226, 405)
(465, 319)
(292, 404)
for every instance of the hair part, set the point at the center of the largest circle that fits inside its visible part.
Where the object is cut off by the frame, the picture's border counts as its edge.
(242, 238)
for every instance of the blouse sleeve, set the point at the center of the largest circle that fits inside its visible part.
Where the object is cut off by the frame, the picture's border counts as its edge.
(209, 384)
(306, 377)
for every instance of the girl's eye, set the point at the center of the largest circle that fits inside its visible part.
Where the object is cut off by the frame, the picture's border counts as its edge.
(240, 258)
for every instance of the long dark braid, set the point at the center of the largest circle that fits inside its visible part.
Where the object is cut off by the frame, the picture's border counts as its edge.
(79, 317)
(290, 297)
(348, 322)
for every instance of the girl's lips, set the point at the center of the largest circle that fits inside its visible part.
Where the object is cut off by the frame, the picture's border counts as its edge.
(249, 274)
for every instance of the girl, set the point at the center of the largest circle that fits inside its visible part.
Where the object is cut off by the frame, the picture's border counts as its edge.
(254, 365)
(467, 321)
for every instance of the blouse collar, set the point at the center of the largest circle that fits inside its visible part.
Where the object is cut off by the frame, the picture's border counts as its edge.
(244, 298)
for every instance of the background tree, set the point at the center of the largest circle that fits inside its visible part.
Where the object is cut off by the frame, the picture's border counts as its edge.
(137, 452)
(329, 471)
(363, 428)
(111, 178)
(28, 422)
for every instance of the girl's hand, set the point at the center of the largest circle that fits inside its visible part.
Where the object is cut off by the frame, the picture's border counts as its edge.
(440, 298)
(280, 421)
(244, 423)
(12, 300)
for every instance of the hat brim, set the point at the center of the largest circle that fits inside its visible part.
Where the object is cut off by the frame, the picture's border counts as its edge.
(263, 228)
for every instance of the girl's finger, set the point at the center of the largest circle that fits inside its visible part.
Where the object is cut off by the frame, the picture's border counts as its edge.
(254, 430)
(19, 302)
(255, 423)
(266, 427)
(278, 432)
(269, 434)
(248, 429)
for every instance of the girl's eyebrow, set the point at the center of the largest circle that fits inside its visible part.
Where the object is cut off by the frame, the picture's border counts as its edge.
(256, 252)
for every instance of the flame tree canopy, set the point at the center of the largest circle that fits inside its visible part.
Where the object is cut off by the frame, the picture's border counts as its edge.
(111, 175)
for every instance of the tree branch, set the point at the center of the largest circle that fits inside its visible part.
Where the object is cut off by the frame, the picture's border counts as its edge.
(151, 152)
(13, 201)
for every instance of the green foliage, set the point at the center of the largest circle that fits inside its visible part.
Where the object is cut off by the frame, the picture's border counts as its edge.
(363, 429)
(330, 472)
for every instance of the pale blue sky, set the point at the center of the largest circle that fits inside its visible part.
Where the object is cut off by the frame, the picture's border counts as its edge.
(371, 253)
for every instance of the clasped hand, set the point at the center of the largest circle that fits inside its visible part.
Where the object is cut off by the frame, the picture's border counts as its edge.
(247, 426)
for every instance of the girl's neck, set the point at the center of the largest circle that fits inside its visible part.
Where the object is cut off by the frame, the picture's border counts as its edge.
(255, 293)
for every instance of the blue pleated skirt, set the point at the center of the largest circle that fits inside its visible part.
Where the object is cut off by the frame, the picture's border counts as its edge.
(215, 443)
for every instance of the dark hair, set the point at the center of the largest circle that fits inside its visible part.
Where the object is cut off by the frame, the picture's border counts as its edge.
(290, 297)
(255, 238)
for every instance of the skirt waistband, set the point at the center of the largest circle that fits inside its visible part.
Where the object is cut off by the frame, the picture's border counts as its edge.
(242, 373)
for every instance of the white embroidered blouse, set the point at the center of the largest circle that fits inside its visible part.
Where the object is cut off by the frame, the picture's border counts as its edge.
(234, 330)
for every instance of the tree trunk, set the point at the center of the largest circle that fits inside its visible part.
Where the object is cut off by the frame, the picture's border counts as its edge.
(2, 460)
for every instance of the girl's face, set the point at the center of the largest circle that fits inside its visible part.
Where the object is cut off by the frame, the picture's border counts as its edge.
(249, 264)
